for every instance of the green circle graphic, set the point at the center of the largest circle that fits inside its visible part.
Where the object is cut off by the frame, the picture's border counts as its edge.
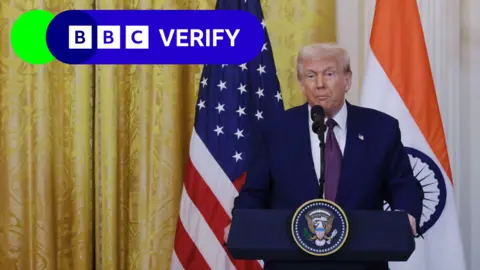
(29, 37)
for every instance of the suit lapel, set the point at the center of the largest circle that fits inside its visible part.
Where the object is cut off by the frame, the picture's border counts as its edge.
(304, 147)
(354, 153)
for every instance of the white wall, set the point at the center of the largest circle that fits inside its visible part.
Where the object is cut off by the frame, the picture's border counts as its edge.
(452, 33)
(468, 170)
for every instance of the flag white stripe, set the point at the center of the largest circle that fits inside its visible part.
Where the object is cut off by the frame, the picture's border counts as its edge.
(212, 173)
(202, 236)
(175, 264)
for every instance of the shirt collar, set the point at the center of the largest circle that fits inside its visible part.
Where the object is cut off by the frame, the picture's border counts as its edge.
(340, 117)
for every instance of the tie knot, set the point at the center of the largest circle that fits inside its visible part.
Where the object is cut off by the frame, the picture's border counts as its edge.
(331, 123)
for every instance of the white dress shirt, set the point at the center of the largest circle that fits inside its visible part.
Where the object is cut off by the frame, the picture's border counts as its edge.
(340, 131)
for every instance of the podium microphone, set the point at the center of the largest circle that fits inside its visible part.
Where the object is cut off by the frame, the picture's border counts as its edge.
(318, 117)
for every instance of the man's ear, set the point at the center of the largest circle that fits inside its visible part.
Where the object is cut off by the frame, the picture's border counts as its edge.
(348, 82)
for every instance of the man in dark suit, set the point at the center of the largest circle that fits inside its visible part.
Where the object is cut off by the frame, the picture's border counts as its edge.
(365, 161)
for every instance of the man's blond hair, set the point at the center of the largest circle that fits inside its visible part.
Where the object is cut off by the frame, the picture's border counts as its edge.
(321, 51)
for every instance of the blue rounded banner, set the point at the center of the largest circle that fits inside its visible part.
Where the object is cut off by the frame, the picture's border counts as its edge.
(155, 37)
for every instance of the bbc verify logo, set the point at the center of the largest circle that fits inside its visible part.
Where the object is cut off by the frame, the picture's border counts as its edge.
(137, 37)
(155, 37)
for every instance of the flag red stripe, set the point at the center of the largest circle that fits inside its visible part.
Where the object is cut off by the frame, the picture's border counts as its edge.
(240, 181)
(187, 253)
(212, 211)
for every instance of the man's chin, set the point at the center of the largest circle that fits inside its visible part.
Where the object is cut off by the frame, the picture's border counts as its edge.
(323, 103)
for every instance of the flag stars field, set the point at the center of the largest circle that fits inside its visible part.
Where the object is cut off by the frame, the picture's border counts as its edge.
(218, 130)
(239, 133)
(242, 89)
(237, 156)
(201, 104)
(264, 47)
(260, 92)
(241, 111)
(204, 82)
(259, 115)
(222, 85)
(220, 107)
(261, 69)
(278, 96)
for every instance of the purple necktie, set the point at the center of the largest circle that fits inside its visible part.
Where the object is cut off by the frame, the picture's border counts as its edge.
(333, 162)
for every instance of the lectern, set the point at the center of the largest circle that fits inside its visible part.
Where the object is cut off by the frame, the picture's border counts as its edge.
(373, 236)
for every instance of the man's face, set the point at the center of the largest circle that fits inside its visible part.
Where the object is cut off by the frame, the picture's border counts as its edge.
(325, 83)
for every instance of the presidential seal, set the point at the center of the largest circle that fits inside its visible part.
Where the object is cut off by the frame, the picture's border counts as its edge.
(319, 227)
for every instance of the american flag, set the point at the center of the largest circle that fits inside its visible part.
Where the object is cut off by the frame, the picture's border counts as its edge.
(232, 100)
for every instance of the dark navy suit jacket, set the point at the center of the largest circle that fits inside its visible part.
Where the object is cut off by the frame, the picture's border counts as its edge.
(281, 172)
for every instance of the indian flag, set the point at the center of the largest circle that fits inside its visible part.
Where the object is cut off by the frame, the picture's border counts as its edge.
(398, 81)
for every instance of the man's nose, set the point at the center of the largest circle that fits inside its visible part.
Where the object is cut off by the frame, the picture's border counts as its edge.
(319, 81)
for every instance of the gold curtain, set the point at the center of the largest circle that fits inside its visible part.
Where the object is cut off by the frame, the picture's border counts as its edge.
(45, 155)
(92, 158)
(143, 117)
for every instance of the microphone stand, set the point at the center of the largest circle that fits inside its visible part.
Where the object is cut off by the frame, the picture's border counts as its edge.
(322, 163)
(319, 128)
